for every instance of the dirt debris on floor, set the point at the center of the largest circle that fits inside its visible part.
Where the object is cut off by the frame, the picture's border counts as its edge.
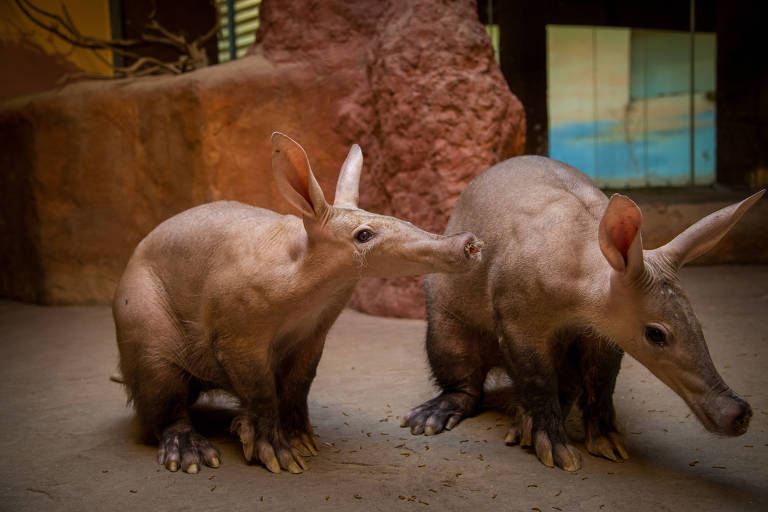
(70, 443)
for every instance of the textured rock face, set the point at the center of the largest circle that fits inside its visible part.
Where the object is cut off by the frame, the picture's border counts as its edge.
(428, 105)
(92, 168)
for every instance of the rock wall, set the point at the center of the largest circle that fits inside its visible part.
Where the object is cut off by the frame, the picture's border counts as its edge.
(428, 104)
(88, 170)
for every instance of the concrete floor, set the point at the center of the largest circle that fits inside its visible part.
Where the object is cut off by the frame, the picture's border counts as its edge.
(70, 443)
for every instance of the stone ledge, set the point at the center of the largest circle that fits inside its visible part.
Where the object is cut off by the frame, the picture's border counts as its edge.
(90, 169)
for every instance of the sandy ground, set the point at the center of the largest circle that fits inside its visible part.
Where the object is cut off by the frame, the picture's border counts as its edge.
(70, 443)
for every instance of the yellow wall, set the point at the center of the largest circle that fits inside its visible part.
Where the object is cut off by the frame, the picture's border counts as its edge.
(91, 17)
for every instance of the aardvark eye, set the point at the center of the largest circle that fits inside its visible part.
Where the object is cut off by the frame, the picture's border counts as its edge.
(655, 335)
(363, 235)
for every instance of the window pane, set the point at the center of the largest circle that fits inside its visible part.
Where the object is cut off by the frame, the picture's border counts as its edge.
(619, 104)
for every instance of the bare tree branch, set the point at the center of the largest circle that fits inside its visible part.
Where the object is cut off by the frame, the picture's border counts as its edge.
(176, 39)
(211, 32)
(192, 55)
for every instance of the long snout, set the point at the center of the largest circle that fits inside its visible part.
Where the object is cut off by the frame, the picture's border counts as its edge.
(687, 368)
(439, 253)
(466, 249)
(717, 407)
(452, 254)
(416, 252)
(724, 412)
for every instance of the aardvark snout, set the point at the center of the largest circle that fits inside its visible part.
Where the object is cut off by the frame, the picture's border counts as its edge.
(456, 253)
(724, 412)
(470, 244)
(730, 413)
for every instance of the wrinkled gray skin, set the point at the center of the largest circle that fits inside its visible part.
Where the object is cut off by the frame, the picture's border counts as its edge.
(564, 288)
(232, 297)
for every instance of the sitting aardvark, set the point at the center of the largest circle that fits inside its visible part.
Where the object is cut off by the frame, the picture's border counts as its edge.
(232, 297)
(563, 289)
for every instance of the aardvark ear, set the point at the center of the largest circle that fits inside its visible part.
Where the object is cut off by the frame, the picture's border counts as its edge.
(347, 188)
(619, 235)
(704, 234)
(294, 177)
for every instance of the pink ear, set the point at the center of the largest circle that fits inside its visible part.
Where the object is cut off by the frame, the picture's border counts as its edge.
(299, 177)
(619, 234)
(294, 177)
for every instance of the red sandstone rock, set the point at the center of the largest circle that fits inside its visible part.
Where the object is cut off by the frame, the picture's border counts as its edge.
(90, 169)
(430, 107)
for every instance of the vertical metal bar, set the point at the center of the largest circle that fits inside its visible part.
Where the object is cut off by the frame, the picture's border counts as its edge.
(231, 29)
(645, 111)
(692, 90)
(595, 134)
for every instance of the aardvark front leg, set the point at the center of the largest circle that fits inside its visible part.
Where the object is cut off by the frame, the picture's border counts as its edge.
(460, 359)
(541, 418)
(295, 376)
(600, 363)
(252, 380)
